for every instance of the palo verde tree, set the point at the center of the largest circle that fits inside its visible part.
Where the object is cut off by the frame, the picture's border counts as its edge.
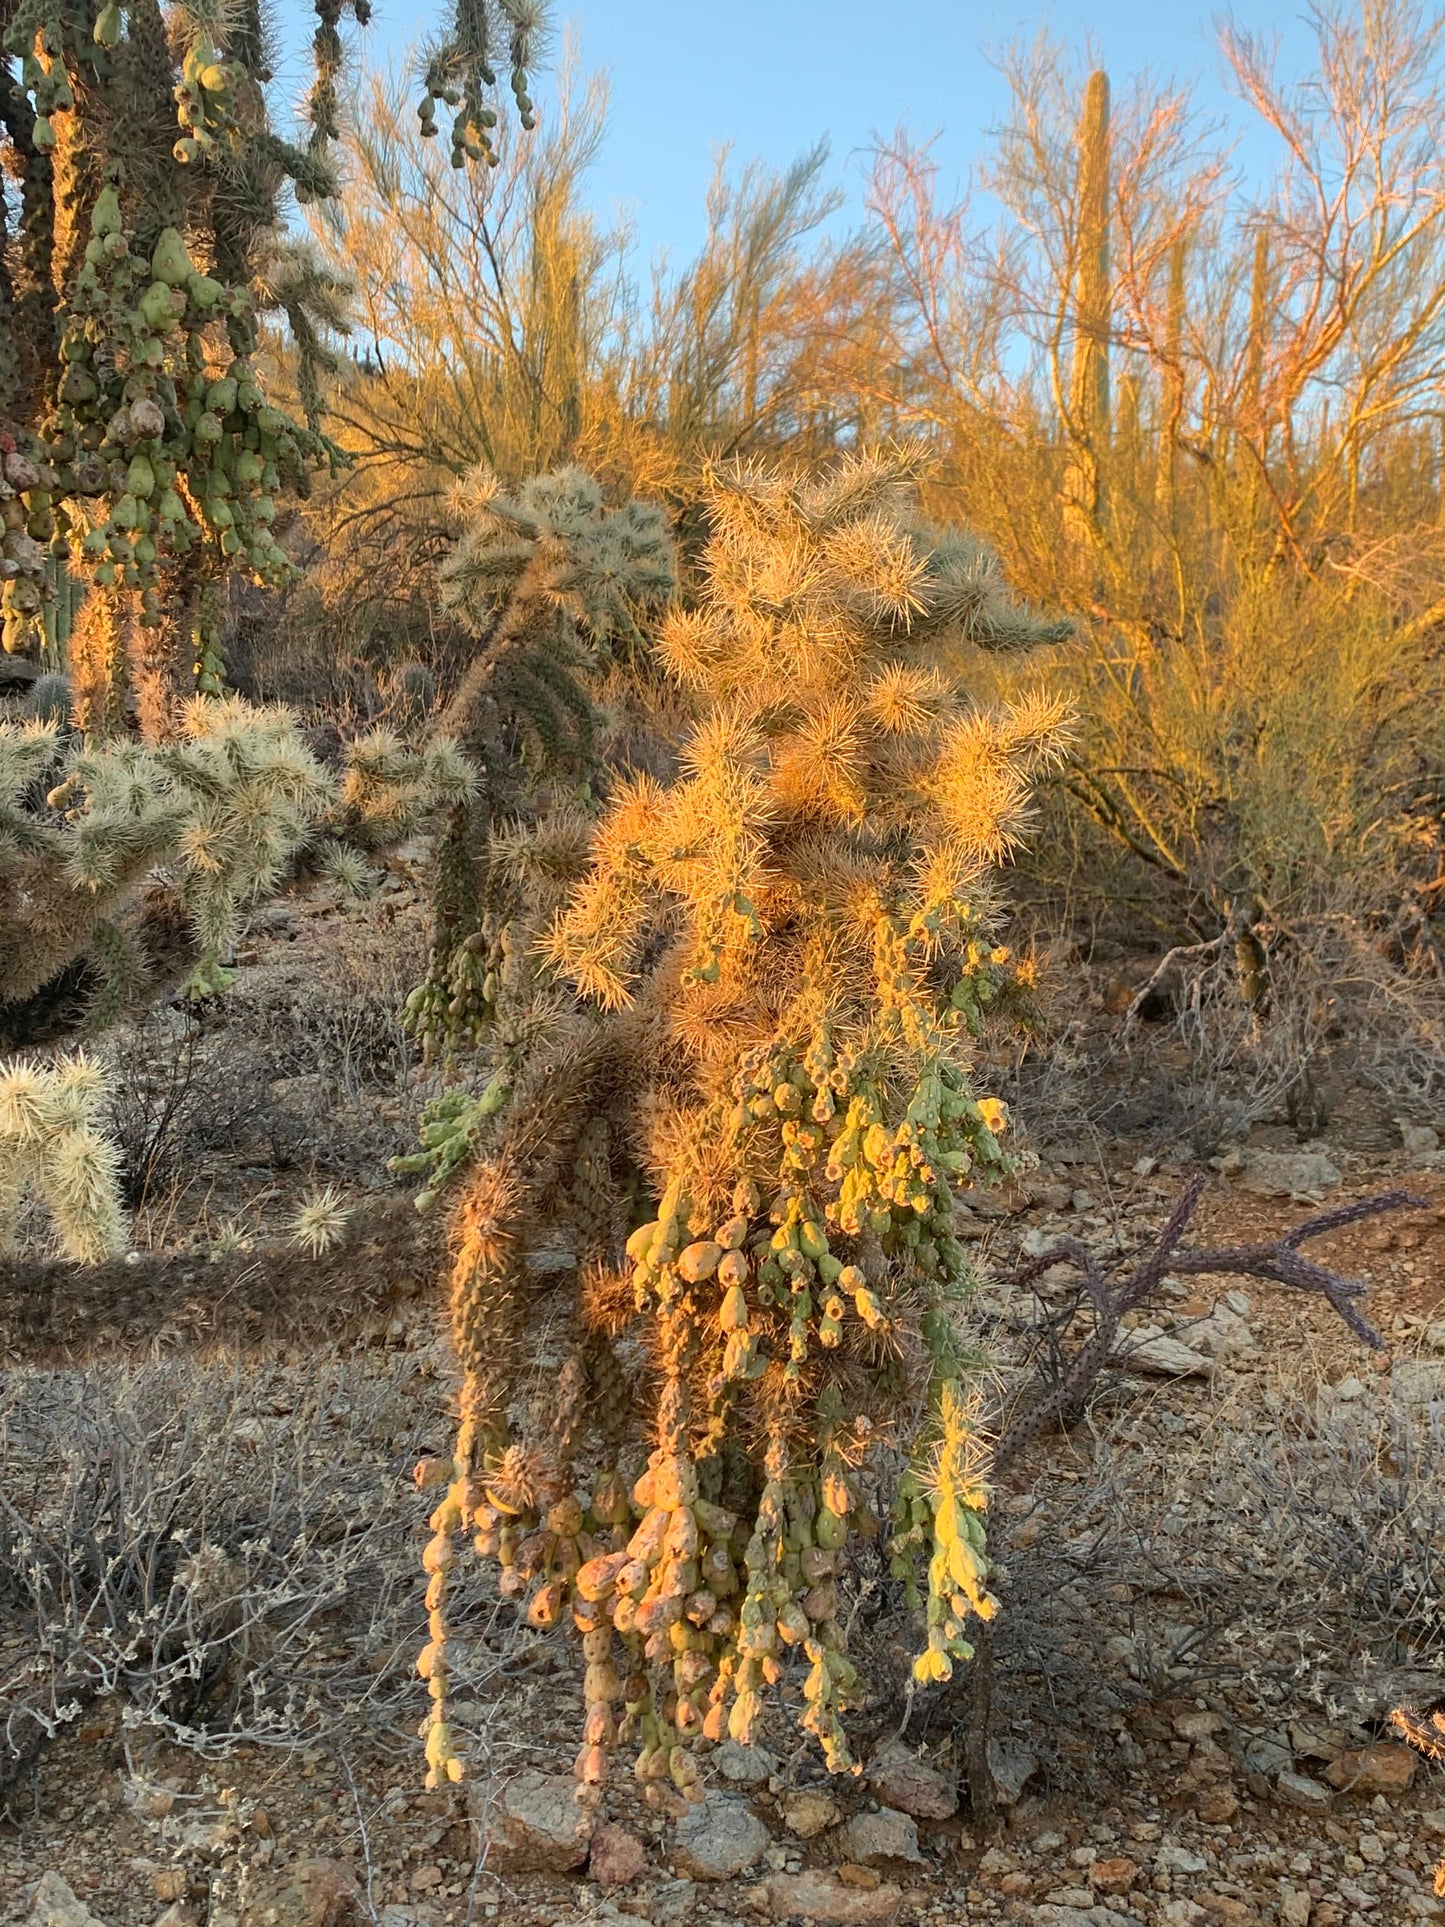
(140, 446)
(782, 955)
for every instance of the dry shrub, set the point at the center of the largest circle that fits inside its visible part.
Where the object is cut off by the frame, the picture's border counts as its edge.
(223, 1547)
(1275, 1539)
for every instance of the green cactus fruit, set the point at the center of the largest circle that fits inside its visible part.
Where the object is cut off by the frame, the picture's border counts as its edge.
(123, 515)
(107, 25)
(170, 509)
(105, 216)
(734, 1313)
(202, 289)
(42, 134)
(170, 262)
(140, 476)
(208, 430)
(158, 308)
(221, 395)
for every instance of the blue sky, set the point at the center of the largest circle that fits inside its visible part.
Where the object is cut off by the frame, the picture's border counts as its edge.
(772, 76)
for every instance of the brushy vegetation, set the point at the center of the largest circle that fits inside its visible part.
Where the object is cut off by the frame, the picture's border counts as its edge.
(658, 603)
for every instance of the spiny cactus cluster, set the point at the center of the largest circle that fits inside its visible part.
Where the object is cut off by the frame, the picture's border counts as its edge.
(106, 845)
(785, 952)
(53, 1142)
(137, 437)
(550, 581)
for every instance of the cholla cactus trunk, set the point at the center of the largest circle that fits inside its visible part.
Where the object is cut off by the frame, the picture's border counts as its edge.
(1088, 426)
(153, 238)
(791, 949)
(1171, 413)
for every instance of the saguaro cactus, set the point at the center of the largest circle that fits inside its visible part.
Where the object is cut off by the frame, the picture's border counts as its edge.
(1088, 424)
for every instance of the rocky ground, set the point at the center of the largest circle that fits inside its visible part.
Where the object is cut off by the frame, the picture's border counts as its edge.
(1219, 1581)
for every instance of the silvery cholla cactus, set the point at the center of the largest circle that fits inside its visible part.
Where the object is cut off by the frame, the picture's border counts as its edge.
(102, 844)
(553, 584)
(53, 1143)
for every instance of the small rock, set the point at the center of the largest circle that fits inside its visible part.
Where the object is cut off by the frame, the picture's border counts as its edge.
(617, 1857)
(1299, 1790)
(1145, 1167)
(1382, 1768)
(1217, 1805)
(874, 1838)
(902, 1780)
(1267, 1757)
(810, 1812)
(1113, 1876)
(1173, 1858)
(1288, 1174)
(1160, 1355)
(534, 1824)
(1197, 1723)
(54, 1905)
(1317, 1742)
(1294, 1908)
(310, 1893)
(718, 1839)
(1418, 1140)
(180, 1913)
(1083, 1200)
(169, 1883)
(1011, 1766)
(825, 1897)
(745, 1765)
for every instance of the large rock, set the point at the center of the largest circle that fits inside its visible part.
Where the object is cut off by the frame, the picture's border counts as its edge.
(54, 1904)
(1382, 1768)
(309, 1893)
(902, 1780)
(719, 1839)
(872, 1839)
(825, 1898)
(533, 1823)
(1288, 1174)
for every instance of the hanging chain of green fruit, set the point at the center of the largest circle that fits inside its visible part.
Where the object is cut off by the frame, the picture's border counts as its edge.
(138, 442)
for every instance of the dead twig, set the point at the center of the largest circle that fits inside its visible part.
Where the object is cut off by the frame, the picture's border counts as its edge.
(1280, 1261)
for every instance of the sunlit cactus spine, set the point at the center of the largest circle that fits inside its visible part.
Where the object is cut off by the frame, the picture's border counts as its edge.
(53, 1143)
(140, 848)
(787, 950)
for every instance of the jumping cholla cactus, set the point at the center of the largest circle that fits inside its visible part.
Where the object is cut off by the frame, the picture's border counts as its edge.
(787, 950)
(141, 860)
(551, 582)
(137, 440)
(53, 1141)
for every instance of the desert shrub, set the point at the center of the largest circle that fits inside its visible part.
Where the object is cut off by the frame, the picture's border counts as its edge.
(223, 1547)
(789, 945)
